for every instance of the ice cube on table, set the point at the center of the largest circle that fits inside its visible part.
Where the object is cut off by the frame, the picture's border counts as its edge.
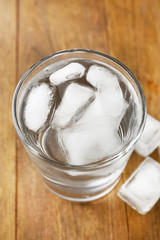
(142, 190)
(110, 96)
(38, 104)
(74, 102)
(150, 138)
(71, 71)
(91, 141)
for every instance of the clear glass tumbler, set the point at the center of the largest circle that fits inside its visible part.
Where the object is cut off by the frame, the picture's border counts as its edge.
(91, 181)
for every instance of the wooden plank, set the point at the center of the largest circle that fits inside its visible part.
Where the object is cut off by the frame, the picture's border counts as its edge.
(46, 27)
(7, 132)
(135, 40)
(58, 25)
(134, 37)
(121, 23)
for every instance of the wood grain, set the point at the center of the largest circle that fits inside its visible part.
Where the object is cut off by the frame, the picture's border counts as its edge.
(49, 26)
(7, 133)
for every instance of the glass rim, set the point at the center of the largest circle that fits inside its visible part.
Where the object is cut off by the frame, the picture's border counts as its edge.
(97, 164)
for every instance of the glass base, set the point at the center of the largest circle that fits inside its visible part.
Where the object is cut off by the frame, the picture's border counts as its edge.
(83, 198)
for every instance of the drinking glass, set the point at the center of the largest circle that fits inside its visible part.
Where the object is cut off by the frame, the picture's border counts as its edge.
(91, 181)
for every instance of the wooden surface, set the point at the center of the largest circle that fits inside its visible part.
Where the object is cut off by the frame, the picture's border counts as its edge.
(129, 30)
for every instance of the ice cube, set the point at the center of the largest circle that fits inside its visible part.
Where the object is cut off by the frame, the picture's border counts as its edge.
(142, 190)
(38, 105)
(112, 102)
(94, 112)
(110, 96)
(74, 102)
(101, 78)
(91, 141)
(72, 71)
(150, 138)
(98, 109)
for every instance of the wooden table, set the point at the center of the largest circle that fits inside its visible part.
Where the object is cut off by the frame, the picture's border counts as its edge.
(31, 29)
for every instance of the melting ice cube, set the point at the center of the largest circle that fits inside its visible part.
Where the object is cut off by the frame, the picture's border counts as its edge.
(38, 105)
(110, 96)
(112, 102)
(74, 102)
(101, 78)
(150, 138)
(92, 112)
(91, 141)
(142, 190)
(71, 71)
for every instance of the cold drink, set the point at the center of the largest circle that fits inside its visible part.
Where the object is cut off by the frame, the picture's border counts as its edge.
(78, 115)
